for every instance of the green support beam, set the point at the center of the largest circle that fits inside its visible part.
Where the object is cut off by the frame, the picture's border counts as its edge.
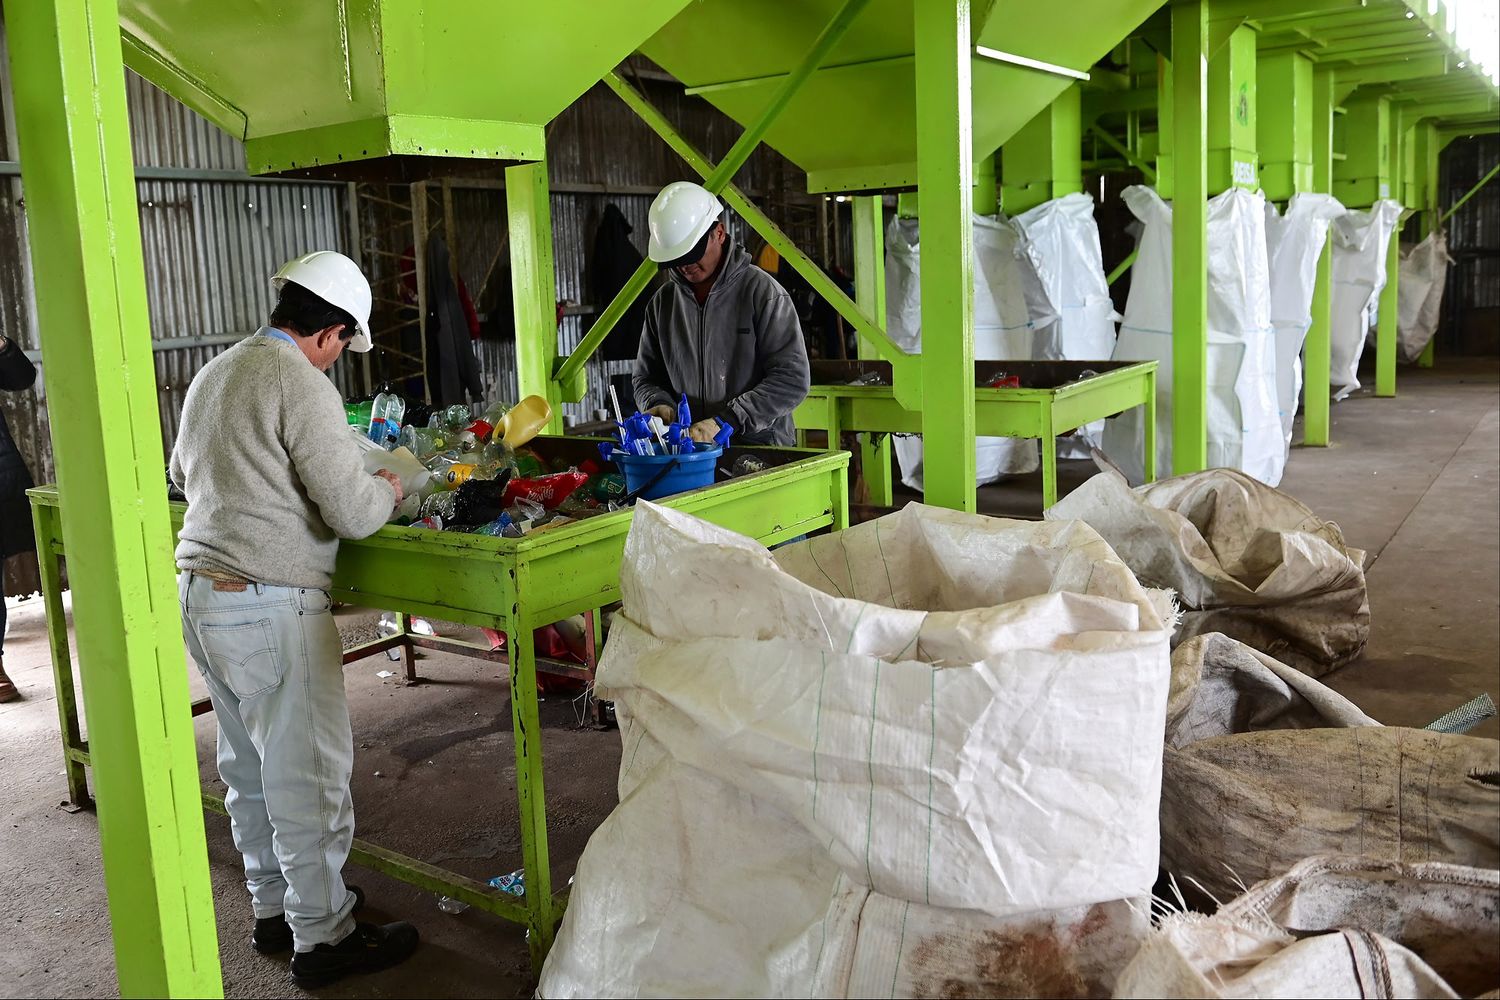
(1043, 161)
(1189, 237)
(1317, 359)
(84, 230)
(944, 177)
(1489, 176)
(1232, 153)
(717, 179)
(534, 285)
(1131, 157)
(868, 214)
(1385, 328)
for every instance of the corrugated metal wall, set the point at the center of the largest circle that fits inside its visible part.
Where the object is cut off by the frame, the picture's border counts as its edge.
(1471, 320)
(212, 235)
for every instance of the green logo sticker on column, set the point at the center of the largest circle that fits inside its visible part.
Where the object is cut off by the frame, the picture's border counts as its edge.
(1242, 107)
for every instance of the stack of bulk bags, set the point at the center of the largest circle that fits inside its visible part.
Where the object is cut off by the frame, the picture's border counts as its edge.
(1244, 422)
(1294, 242)
(1360, 241)
(1010, 307)
(1065, 242)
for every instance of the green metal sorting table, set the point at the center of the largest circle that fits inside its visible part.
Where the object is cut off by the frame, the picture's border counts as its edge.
(1055, 397)
(511, 585)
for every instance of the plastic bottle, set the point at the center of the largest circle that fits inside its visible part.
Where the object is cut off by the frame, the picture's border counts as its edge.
(385, 419)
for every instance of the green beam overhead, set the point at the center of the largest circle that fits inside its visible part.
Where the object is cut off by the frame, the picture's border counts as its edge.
(1420, 68)
(945, 174)
(1233, 159)
(533, 284)
(1189, 237)
(1131, 156)
(1284, 124)
(868, 216)
(853, 127)
(382, 77)
(1043, 160)
(71, 123)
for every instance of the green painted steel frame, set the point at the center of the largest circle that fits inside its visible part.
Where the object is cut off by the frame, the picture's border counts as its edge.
(512, 585)
(945, 178)
(84, 232)
(1021, 413)
(1189, 125)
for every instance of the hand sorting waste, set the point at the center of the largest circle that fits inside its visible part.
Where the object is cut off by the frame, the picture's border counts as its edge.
(475, 474)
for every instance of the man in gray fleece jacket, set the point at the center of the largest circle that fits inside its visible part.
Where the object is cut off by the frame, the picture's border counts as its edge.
(721, 330)
(273, 480)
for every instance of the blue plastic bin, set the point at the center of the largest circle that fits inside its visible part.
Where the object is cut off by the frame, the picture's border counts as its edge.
(690, 473)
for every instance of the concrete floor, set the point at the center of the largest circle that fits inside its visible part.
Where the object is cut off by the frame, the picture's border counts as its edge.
(1414, 480)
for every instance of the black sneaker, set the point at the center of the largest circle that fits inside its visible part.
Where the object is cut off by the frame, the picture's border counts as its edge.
(370, 948)
(273, 935)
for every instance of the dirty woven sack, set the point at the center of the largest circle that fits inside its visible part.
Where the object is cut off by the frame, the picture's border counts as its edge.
(1334, 927)
(1245, 559)
(918, 756)
(1240, 808)
(1222, 686)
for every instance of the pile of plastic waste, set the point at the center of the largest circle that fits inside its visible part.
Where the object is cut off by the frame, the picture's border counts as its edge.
(468, 473)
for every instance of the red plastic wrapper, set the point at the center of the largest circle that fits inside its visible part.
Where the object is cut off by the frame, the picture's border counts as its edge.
(549, 491)
(1003, 381)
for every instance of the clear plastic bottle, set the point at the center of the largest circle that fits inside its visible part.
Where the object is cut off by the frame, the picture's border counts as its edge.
(385, 419)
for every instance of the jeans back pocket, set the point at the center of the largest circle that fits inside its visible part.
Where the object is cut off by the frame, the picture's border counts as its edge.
(243, 656)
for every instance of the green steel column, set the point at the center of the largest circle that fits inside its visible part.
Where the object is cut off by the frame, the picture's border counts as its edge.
(74, 138)
(1316, 355)
(869, 292)
(1043, 160)
(1316, 359)
(1165, 132)
(1232, 154)
(1385, 329)
(1189, 237)
(944, 178)
(534, 285)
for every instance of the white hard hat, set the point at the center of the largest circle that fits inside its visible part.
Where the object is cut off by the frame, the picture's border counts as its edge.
(336, 280)
(680, 219)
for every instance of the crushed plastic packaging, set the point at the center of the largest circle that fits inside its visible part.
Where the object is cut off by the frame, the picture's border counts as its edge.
(450, 905)
(514, 883)
(748, 464)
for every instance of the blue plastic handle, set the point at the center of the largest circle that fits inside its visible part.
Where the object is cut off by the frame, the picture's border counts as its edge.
(684, 414)
(725, 432)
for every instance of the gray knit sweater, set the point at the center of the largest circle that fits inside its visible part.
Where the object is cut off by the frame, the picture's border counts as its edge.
(272, 476)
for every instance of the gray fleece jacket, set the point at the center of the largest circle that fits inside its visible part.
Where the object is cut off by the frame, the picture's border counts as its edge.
(739, 356)
(273, 478)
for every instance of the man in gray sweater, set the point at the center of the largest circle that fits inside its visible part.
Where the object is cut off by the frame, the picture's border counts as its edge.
(722, 331)
(273, 480)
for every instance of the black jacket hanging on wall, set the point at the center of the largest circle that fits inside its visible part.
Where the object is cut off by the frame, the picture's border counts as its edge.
(452, 368)
(613, 260)
(17, 374)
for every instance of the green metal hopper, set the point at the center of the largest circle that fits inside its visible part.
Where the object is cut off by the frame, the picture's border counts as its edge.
(852, 125)
(317, 85)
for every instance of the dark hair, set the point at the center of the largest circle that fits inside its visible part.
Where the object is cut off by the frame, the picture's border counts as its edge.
(304, 313)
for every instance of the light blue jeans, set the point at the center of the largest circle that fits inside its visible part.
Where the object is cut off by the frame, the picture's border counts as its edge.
(273, 663)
